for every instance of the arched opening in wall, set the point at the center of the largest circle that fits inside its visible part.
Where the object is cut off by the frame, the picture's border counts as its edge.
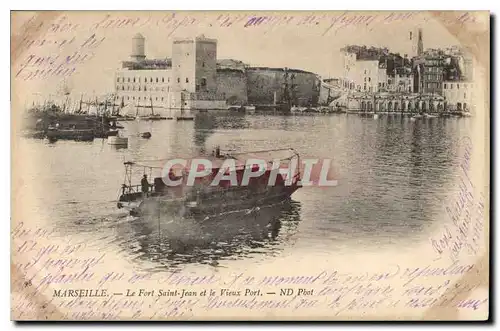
(440, 106)
(203, 84)
(459, 106)
(410, 106)
(396, 106)
(369, 106)
(465, 106)
(431, 106)
(389, 106)
(424, 106)
(363, 106)
(403, 106)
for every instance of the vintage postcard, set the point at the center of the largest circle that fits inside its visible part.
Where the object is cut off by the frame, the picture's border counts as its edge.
(250, 165)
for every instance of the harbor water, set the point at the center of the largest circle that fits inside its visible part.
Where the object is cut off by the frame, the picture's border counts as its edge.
(394, 175)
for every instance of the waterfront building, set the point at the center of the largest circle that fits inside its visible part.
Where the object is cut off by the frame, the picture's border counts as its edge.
(429, 73)
(395, 102)
(401, 80)
(459, 95)
(193, 78)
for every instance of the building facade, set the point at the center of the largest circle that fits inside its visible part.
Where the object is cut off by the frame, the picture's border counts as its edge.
(459, 95)
(385, 102)
(401, 80)
(429, 74)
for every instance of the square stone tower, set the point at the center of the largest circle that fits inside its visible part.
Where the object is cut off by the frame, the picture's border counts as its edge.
(194, 65)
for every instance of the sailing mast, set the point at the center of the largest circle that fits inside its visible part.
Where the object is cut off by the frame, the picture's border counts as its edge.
(81, 102)
(182, 103)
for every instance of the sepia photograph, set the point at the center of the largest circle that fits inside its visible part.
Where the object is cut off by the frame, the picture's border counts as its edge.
(234, 165)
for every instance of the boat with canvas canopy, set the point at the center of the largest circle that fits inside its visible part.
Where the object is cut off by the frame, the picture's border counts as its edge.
(205, 194)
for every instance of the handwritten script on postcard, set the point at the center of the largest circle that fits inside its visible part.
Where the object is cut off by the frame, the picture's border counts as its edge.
(404, 238)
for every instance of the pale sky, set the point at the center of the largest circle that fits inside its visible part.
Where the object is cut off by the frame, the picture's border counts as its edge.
(292, 39)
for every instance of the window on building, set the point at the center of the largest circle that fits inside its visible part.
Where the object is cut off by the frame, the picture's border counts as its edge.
(133, 88)
(145, 89)
(203, 64)
(187, 80)
(123, 87)
(157, 79)
(118, 80)
(445, 86)
(369, 79)
(139, 88)
(151, 79)
(168, 79)
(178, 80)
(162, 99)
(365, 79)
(134, 79)
(451, 86)
(156, 98)
(139, 79)
(458, 86)
(128, 87)
(168, 88)
(133, 98)
(128, 98)
(365, 71)
(128, 80)
(465, 95)
(163, 79)
(144, 98)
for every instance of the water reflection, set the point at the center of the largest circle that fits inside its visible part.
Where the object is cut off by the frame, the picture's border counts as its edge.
(206, 124)
(172, 241)
(395, 177)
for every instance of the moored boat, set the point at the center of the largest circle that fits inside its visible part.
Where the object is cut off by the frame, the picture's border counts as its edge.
(70, 134)
(426, 115)
(111, 133)
(118, 140)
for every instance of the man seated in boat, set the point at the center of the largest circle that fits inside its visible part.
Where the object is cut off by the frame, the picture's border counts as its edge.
(145, 185)
(216, 152)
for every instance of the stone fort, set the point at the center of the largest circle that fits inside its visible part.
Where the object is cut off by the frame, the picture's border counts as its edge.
(194, 78)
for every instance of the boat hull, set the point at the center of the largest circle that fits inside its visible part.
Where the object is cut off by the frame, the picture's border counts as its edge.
(155, 205)
(118, 141)
(78, 135)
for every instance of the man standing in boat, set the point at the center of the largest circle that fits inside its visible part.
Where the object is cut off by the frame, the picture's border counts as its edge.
(145, 185)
